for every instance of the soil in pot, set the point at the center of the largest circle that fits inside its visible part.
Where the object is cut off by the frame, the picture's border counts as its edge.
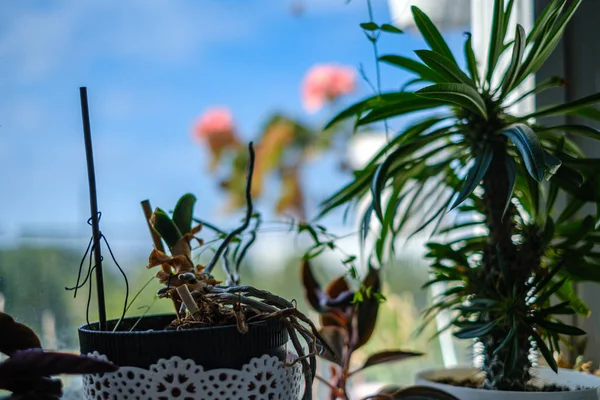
(478, 384)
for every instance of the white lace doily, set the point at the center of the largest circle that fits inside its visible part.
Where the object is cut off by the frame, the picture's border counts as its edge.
(263, 378)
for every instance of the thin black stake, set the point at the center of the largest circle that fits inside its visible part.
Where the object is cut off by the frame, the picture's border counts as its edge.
(85, 115)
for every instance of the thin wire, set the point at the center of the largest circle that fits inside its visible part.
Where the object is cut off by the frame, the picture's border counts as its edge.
(89, 299)
(77, 285)
(91, 268)
(90, 247)
(124, 278)
(209, 226)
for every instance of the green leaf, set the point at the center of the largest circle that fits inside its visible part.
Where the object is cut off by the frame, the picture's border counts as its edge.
(183, 213)
(518, 49)
(398, 109)
(512, 356)
(552, 163)
(548, 42)
(378, 185)
(566, 108)
(383, 103)
(530, 148)
(165, 227)
(366, 104)
(458, 94)
(580, 130)
(476, 330)
(568, 179)
(571, 209)
(541, 87)
(544, 19)
(369, 26)
(471, 60)
(511, 334)
(496, 38)
(567, 293)
(475, 175)
(542, 280)
(366, 222)
(548, 293)
(444, 67)
(431, 34)
(507, 15)
(558, 309)
(441, 211)
(411, 82)
(511, 170)
(549, 229)
(414, 137)
(390, 28)
(408, 64)
(562, 329)
(543, 37)
(590, 113)
(546, 353)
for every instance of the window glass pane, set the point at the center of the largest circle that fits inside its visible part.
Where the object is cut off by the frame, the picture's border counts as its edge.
(151, 68)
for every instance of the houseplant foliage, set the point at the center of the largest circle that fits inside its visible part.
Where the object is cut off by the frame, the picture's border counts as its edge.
(514, 249)
(348, 318)
(28, 370)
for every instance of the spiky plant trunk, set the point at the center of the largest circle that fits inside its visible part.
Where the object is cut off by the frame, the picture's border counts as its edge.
(502, 269)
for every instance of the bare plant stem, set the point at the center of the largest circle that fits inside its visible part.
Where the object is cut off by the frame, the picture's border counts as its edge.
(155, 236)
(249, 212)
(377, 66)
(186, 297)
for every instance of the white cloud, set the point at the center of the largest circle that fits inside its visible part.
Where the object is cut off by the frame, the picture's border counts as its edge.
(24, 113)
(331, 6)
(38, 42)
(34, 42)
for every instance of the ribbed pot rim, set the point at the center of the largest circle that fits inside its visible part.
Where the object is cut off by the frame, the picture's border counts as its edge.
(85, 328)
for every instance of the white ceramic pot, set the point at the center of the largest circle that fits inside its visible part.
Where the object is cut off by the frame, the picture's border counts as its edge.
(543, 376)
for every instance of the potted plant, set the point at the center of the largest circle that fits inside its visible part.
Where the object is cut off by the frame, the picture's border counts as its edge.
(28, 370)
(510, 257)
(223, 341)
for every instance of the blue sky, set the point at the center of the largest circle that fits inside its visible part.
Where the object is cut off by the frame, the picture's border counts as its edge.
(151, 67)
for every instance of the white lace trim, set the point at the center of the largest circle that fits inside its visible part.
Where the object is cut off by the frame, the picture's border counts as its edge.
(263, 378)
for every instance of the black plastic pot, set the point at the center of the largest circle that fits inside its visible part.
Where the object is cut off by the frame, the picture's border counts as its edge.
(214, 347)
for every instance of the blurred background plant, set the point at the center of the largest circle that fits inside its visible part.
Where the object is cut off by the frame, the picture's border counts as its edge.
(283, 146)
(348, 317)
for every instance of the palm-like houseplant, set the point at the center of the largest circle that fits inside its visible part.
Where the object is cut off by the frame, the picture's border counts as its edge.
(500, 172)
